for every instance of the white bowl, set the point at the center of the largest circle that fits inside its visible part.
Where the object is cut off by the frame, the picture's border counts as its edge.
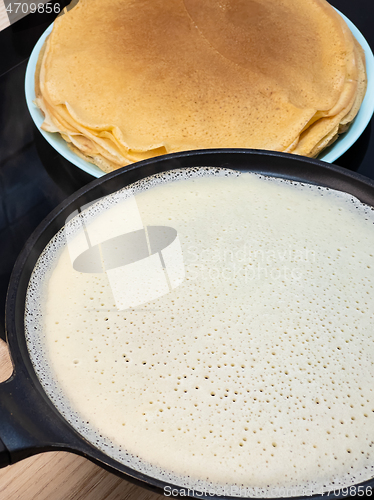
(329, 155)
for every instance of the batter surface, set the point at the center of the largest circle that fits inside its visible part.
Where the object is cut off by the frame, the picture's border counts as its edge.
(254, 368)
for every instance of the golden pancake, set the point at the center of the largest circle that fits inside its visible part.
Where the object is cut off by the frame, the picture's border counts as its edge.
(326, 130)
(300, 45)
(316, 132)
(361, 89)
(256, 74)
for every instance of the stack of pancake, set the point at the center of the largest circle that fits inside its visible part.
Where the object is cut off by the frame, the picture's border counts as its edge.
(128, 80)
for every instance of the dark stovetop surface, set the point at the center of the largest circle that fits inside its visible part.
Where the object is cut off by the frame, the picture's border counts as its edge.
(34, 178)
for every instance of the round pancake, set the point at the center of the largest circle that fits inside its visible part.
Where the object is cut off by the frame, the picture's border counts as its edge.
(256, 370)
(300, 45)
(197, 75)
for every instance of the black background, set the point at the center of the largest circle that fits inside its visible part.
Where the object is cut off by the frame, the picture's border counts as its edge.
(34, 178)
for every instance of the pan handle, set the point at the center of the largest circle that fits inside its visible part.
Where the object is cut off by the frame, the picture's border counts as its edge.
(4, 455)
(29, 424)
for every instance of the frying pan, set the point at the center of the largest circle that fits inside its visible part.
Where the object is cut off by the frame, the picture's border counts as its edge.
(29, 422)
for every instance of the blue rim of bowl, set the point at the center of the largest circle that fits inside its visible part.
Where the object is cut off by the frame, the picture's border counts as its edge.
(329, 155)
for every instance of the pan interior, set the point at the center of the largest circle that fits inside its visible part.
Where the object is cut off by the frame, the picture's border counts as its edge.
(235, 355)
